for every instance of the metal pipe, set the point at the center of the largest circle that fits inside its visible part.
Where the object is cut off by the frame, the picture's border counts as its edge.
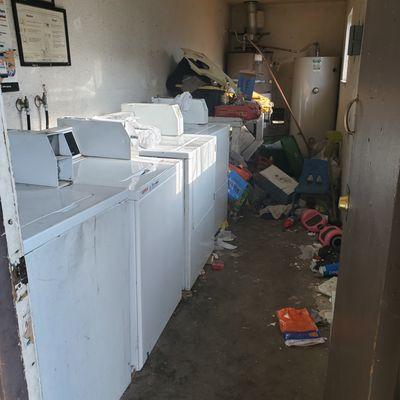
(252, 18)
(28, 113)
(282, 93)
(43, 101)
(315, 44)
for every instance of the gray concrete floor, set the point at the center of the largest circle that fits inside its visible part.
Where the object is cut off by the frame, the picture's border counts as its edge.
(219, 344)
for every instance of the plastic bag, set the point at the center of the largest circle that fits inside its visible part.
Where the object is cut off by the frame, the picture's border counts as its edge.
(184, 101)
(298, 328)
(147, 136)
(130, 126)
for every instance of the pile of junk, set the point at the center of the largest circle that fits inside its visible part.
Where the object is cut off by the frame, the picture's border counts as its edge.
(285, 177)
(234, 102)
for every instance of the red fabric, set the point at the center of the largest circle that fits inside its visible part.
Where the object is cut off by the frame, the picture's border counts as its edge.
(246, 112)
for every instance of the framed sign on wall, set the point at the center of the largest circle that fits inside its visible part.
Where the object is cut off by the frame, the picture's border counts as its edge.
(42, 33)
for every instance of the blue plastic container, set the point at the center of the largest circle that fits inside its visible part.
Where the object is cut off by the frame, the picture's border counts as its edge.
(246, 85)
(236, 186)
(329, 270)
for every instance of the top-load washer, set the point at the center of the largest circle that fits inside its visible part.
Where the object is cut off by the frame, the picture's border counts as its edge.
(156, 195)
(198, 155)
(73, 304)
(155, 190)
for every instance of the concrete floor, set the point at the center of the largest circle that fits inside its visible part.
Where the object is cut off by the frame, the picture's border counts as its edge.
(219, 344)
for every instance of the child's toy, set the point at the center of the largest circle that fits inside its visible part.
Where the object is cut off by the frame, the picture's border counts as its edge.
(313, 220)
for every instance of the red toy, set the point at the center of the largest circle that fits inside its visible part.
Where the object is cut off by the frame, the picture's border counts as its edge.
(313, 220)
(288, 223)
(331, 236)
(217, 266)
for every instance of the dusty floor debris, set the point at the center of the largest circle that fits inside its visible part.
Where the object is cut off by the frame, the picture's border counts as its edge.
(205, 353)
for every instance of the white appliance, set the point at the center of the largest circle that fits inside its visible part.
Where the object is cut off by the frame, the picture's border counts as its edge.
(76, 245)
(156, 193)
(156, 198)
(246, 136)
(194, 111)
(198, 153)
(314, 96)
(221, 133)
(169, 117)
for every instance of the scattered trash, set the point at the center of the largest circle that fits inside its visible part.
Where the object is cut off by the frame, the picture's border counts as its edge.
(226, 236)
(222, 238)
(329, 270)
(277, 184)
(326, 256)
(326, 302)
(276, 211)
(319, 319)
(328, 288)
(289, 222)
(217, 266)
(242, 171)
(308, 251)
(298, 328)
(186, 294)
(221, 245)
(272, 324)
(237, 186)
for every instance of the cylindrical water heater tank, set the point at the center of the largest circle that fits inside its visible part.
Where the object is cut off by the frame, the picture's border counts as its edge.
(315, 95)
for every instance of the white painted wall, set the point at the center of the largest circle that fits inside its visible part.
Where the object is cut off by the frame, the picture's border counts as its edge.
(122, 50)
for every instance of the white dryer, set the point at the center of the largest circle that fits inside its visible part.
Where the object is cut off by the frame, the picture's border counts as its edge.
(221, 133)
(198, 153)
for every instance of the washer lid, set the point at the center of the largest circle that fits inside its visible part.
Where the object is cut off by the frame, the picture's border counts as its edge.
(47, 212)
(182, 147)
(134, 175)
(207, 129)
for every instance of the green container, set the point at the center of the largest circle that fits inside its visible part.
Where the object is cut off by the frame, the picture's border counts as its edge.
(293, 155)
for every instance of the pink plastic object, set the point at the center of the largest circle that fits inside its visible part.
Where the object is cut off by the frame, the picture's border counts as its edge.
(313, 220)
(330, 236)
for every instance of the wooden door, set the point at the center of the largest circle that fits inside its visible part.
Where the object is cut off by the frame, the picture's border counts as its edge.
(365, 345)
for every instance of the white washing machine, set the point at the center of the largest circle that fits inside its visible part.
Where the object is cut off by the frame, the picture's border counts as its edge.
(73, 305)
(156, 193)
(76, 245)
(198, 153)
(157, 214)
(221, 133)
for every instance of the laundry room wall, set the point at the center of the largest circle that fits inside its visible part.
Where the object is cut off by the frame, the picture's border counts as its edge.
(121, 50)
(293, 25)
